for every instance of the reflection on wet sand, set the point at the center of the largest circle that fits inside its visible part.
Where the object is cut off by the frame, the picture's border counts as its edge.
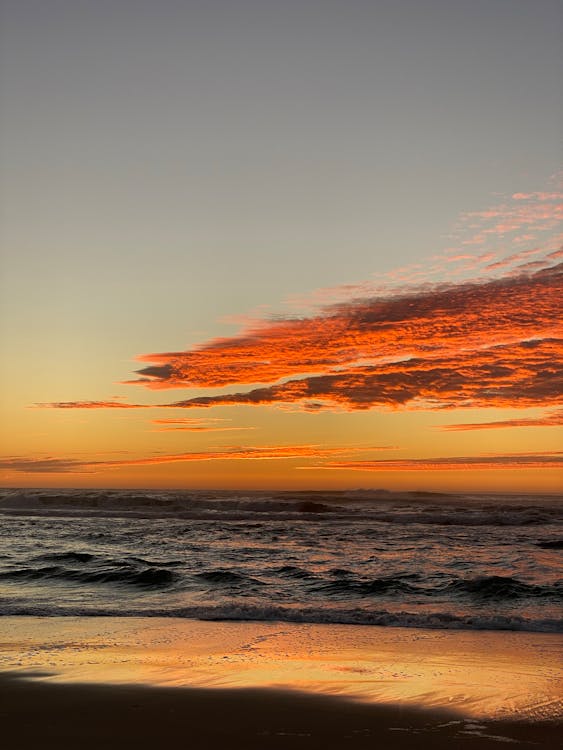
(484, 675)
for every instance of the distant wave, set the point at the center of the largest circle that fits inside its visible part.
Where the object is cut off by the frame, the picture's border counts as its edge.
(389, 508)
(477, 517)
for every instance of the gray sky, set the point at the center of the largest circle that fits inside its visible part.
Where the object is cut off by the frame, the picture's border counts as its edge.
(166, 163)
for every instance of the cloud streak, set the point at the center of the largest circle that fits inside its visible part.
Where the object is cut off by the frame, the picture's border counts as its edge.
(550, 460)
(553, 419)
(63, 465)
(89, 405)
(195, 425)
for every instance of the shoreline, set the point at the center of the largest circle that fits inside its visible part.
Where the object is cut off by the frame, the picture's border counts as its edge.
(147, 682)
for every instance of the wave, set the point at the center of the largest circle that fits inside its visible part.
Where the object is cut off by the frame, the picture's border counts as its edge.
(68, 556)
(503, 587)
(226, 578)
(484, 587)
(338, 584)
(241, 612)
(273, 514)
(477, 517)
(171, 504)
(375, 507)
(551, 544)
(72, 556)
(157, 563)
(293, 571)
(126, 574)
(375, 587)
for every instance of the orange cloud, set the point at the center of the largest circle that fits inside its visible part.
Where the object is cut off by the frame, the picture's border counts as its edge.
(522, 375)
(547, 420)
(58, 465)
(550, 460)
(494, 343)
(195, 425)
(203, 429)
(90, 405)
(446, 321)
(189, 422)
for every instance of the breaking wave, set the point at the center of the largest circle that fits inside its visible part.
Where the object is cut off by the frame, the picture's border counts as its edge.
(230, 612)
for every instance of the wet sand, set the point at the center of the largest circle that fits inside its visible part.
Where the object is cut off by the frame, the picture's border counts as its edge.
(158, 683)
(36, 714)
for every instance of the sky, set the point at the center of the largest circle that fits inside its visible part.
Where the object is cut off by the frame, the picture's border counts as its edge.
(309, 244)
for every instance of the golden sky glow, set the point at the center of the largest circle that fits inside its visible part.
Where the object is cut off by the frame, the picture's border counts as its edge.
(485, 345)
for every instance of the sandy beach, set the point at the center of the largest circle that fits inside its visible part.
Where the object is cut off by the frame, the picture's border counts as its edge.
(165, 682)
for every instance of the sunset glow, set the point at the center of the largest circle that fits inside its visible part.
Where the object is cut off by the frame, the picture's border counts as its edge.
(281, 395)
(427, 321)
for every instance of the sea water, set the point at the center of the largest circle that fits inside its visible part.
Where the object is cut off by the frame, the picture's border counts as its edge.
(364, 557)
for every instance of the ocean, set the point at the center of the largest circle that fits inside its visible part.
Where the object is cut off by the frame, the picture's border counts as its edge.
(428, 560)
